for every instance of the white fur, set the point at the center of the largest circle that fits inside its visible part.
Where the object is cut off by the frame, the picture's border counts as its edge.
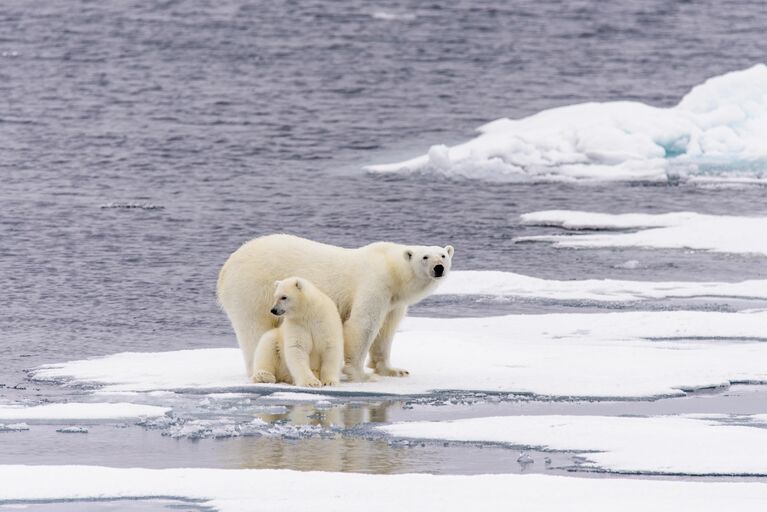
(309, 342)
(372, 286)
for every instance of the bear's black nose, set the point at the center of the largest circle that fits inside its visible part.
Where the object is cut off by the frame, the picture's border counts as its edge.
(438, 270)
(274, 312)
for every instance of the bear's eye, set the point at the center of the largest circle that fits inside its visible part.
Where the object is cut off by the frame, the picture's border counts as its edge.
(426, 257)
(283, 298)
(443, 256)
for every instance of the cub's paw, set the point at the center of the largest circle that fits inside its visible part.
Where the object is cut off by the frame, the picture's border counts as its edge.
(392, 372)
(262, 376)
(313, 382)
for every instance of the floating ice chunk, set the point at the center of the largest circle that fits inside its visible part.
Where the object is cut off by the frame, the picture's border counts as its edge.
(525, 459)
(509, 284)
(74, 429)
(80, 411)
(687, 230)
(201, 429)
(628, 265)
(228, 490)
(392, 16)
(623, 354)
(718, 128)
(13, 427)
(665, 444)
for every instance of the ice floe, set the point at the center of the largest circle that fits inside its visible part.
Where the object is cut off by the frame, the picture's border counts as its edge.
(509, 284)
(717, 129)
(719, 233)
(79, 411)
(13, 427)
(622, 354)
(666, 444)
(232, 490)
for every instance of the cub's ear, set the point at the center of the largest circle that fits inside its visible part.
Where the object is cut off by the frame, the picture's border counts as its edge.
(276, 284)
(408, 254)
(299, 284)
(450, 250)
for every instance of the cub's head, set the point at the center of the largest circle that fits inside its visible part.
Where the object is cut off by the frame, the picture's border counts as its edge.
(429, 262)
(288, 295)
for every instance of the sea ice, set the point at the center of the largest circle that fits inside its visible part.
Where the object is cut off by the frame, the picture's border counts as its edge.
(79, 411)
(620, 354)
(691, 445)
(230, 490)
(509, 284)
(13, 427)
(719, 233)
(717, 129)
(73, 429)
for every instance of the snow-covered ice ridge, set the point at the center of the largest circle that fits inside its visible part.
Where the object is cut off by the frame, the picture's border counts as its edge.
(688, 230)
(619, 355)
(230, 490)
(691, 445)
(509, 284)
(716, 131)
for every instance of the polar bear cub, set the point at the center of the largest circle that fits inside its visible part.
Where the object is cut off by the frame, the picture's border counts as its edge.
(309, 343)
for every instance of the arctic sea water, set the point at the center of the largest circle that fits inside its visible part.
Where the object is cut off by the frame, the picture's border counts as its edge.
(143, 144)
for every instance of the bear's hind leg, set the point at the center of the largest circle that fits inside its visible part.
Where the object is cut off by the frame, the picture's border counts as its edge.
(266, 360)
(249, 331)
(332, 361)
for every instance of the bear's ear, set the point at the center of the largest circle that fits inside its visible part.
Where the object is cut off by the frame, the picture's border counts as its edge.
(299, 284)
(276, 284)
(408, 254)
(450, 250)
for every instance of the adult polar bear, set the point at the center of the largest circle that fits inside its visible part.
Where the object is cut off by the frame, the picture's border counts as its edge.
(372, 287)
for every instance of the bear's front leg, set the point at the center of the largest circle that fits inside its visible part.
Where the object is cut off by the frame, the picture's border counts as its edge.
(380, 351)
(360, 330)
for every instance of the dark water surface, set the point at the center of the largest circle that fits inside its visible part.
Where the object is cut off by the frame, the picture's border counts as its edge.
(141, 143)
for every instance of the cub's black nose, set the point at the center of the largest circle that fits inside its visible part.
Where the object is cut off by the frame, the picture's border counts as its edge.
(274, 312)
(439, 270)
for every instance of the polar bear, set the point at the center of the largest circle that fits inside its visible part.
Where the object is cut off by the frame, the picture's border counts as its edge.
(308, 343)
(372, 286)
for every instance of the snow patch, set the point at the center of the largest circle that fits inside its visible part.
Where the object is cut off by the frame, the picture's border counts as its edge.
(683, 230)
(252, 489)
(80, 411)
(509, 284)
(691, 445)
(716, 130)
(622, 354)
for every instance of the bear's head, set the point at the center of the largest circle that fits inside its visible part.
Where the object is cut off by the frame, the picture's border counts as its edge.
(288, 295)
(429, 262)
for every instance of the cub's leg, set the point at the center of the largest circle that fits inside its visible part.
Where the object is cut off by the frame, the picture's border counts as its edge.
(298, 347)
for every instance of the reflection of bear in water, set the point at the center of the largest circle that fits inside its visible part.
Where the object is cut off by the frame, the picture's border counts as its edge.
(308, 347)
(324, 453)
(372, 286)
